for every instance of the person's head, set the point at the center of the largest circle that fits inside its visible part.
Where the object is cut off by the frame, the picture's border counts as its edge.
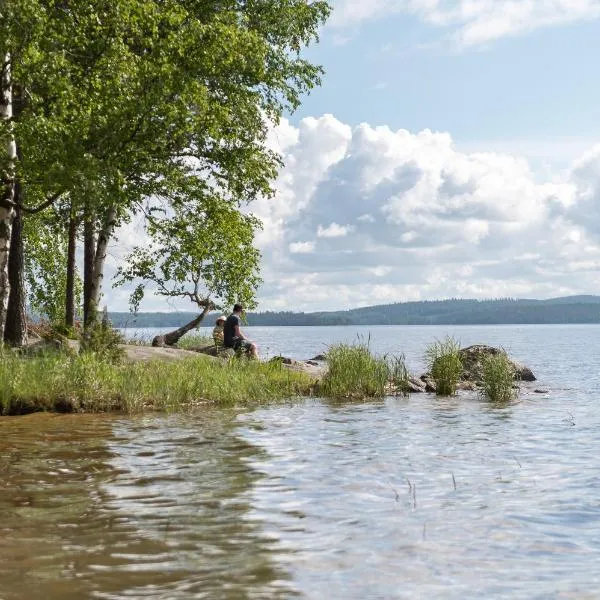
(221, 321)
(238, 309)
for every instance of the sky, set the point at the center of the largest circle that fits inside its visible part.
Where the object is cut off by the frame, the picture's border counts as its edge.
(453, 150)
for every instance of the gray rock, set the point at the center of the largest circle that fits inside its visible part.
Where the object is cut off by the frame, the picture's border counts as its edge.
(416, 386)
(472, 360)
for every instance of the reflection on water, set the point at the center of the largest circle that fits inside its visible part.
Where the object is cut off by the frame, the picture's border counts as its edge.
(404, 498)
(112, 508)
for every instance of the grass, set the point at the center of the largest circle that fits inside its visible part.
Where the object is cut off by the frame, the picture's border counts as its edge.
(57, 382)
(498, 378)
(445, 366)
(354, 372)
(194, 340)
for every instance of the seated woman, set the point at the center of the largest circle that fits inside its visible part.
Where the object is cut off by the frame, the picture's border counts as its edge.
(217, 332)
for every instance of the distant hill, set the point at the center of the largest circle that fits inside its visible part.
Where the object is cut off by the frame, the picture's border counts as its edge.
(571, 309)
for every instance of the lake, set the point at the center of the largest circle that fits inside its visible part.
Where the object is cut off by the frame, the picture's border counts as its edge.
(412, 497)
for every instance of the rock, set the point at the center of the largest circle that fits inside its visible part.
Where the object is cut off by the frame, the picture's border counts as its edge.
(472, 360)
(314, 363)
(320, 358)
(429, 384)
(416, 386)
(466, 386)
(212, 350)
(540, 391)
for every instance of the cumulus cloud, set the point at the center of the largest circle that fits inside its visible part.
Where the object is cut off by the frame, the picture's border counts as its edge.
(373, 215)
(368, 215)
(302, 247)
(334, 230)
(471, 22)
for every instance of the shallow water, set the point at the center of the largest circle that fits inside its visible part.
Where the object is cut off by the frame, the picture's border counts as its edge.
(402, 498)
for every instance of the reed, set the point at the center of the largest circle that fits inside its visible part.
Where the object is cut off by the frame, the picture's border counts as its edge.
(445, 365)
(87, 383)
(354, 372)
(498, 378)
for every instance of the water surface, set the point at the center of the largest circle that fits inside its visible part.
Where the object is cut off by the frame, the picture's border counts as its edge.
(400, 498)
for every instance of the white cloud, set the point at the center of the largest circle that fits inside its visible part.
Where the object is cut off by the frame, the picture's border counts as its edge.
(432, 221)
(302, 247)
(334, 230)
(367, 215)
(471, 22)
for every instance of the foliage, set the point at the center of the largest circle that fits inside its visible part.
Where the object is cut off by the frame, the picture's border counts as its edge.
(45, 256)
(444, 364)
(354, 372)
(202, 252)
(124, 100)
(498, 378)
(102, 340)
(89, 383)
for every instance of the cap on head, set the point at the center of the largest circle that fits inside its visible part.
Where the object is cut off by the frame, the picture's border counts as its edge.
(222, 318)
(238, 308)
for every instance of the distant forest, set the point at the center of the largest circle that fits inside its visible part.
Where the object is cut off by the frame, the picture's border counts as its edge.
(572, 309)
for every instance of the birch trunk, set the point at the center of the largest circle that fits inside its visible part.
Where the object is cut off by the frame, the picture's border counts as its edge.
(15, 332)
(99, 260)
(8, 190)
(89, 255)
(171, 338)
(71, 272)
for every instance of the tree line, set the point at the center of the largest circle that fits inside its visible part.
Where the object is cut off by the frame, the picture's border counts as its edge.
(573, 309)
(159, 108)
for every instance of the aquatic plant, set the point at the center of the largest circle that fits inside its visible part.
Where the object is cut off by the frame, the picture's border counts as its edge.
(445, 365)
(498, 378)
(354, 372)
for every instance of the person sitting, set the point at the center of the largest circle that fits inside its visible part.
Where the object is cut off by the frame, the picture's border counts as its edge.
(217, 332)
(233, 336)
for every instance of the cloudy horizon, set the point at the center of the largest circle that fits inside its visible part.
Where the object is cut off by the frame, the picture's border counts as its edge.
(453, 170)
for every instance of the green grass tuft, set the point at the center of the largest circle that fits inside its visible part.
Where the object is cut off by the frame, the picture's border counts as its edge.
(498, 378)
(195, 340)
(57, 382)
(354, 372)
(444, 364)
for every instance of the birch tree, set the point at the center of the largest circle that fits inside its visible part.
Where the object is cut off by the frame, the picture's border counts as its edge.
(131, 97)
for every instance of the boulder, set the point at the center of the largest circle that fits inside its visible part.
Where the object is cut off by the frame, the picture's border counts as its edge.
(472, 360)
(320, 358)
(429, 383)
(415, 386)
(212, 350)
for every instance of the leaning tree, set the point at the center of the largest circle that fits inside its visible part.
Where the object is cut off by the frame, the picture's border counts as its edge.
(199, 250)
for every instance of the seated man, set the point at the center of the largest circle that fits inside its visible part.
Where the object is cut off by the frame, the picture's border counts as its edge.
(233, 336)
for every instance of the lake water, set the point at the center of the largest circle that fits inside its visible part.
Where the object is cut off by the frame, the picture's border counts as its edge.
(401, 498)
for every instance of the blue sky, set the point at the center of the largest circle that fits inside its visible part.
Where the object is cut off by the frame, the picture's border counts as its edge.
(519, 91)
(453, 150)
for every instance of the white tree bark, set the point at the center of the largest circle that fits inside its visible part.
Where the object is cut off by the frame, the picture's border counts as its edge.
(8, 188)
(100, 258)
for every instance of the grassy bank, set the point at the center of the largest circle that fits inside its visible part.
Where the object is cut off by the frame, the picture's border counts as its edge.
(85, 383)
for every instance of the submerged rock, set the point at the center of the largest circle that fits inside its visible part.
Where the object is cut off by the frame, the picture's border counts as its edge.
(472, 359)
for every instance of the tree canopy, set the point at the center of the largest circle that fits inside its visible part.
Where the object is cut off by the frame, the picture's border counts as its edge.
(115, 102)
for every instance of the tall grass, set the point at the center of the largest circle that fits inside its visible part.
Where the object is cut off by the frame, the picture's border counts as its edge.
(195, 340)
(498, 378)
(444, 364)
(87, 383)
(354, 372)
